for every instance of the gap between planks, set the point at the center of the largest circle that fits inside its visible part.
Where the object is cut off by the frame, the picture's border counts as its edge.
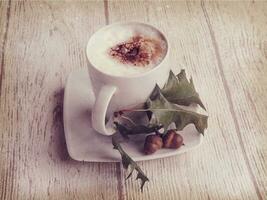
(229, 99)
(4, 46)
(4, 186)
(119, 167)
(106, 11)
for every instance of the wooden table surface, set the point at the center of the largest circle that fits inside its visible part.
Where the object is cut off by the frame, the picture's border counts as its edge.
(223, 45)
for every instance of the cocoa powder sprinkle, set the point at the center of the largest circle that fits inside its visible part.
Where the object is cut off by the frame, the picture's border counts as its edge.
(138, 51)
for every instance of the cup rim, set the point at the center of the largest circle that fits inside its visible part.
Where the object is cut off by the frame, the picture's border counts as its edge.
(135, 75)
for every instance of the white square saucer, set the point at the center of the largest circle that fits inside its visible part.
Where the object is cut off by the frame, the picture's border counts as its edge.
(85, 144)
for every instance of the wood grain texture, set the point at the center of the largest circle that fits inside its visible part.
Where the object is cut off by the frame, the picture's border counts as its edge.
(218, 169)
(4, 15)
(45, 42)
(4, 23)
(242, 47)
(221, 44)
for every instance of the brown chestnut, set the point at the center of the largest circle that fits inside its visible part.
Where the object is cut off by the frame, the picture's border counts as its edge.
(172, 140)
(152, 144)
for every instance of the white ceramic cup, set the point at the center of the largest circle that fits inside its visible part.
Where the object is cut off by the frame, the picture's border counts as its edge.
(114, 93)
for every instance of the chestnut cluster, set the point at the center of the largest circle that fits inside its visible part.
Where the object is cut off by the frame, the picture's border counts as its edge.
(170, 140)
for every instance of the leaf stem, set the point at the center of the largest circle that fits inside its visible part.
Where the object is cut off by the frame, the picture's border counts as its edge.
(160, 109)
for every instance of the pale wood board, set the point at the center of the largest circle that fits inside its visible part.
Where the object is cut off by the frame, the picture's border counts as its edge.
(224, 50)
(45, 42)
(3, 146)
(241, 42)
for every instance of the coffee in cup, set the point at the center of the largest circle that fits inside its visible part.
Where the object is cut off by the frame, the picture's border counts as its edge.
(128, 49)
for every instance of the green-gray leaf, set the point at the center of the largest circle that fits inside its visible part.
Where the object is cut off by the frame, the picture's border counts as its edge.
(127, 161)
(179, 90)
(164, 113)
(136, 129)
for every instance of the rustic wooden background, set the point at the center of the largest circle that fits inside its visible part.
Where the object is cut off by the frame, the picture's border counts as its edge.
(223, 45)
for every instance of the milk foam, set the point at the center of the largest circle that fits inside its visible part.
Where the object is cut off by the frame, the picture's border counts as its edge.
(105, 39)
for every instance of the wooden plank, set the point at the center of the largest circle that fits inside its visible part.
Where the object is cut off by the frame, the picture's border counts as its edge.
(241, 40)
(218, 169)
(4, 23)
(46, 40)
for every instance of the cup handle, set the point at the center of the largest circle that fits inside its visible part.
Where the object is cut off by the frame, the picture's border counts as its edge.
(100, 109)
